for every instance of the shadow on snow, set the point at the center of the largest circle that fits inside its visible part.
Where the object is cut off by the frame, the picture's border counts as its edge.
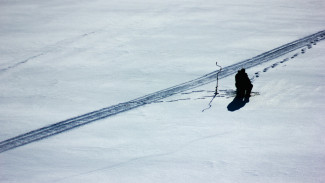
(237, 103)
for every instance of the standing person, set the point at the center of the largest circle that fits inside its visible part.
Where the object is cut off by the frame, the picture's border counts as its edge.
(243, 84)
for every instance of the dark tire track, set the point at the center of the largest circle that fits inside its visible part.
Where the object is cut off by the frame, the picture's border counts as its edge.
(71, 123)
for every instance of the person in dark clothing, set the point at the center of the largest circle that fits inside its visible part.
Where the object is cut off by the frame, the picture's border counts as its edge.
(243, 84)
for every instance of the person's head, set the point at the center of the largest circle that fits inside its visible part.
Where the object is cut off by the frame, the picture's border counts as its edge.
(242, 70)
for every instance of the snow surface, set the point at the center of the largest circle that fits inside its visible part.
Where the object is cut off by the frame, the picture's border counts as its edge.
(61, 59)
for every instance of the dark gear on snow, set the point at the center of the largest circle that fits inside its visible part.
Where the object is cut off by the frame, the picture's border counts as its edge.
(243, 84)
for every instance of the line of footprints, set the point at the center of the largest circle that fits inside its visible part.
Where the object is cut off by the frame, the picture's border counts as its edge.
(232, 93)
(302, 51)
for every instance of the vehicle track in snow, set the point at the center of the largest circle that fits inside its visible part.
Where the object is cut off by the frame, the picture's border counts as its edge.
(47, 49)
(74, 122)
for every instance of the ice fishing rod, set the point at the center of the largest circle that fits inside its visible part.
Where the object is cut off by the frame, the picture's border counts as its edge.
(216, 92)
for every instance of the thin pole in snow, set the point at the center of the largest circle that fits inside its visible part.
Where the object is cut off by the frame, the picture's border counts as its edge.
(216, 92)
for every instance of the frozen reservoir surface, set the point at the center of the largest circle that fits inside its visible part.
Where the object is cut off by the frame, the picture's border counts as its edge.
(62, 59)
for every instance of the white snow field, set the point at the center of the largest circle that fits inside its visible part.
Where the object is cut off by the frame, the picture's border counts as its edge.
(62, 59)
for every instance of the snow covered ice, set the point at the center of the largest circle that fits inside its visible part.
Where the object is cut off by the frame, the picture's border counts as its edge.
(63, 59)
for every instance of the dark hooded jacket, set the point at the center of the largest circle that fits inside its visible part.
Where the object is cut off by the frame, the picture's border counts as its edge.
(242, 80)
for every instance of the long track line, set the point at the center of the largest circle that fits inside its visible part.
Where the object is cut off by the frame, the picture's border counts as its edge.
(74, 122)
